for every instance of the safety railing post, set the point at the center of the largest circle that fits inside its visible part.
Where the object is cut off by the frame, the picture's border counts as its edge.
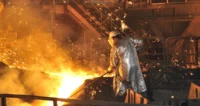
(197, 93)
(3, 101)
(55, 103)
(197, 51)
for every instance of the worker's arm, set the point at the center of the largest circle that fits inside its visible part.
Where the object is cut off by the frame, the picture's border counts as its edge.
(138, 43)
(113, 60)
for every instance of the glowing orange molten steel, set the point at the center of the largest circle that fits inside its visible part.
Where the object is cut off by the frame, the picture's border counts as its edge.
(68, 82)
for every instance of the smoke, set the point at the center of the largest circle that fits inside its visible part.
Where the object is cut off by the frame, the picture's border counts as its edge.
(15, 81)
(37, 57)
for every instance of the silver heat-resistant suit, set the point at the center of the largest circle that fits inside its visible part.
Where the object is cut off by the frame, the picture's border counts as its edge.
(125, 60)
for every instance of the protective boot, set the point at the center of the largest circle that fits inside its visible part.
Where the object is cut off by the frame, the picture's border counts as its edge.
(144, 94)
(147, 96)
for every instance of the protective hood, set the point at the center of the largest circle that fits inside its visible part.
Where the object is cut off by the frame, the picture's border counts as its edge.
(111, 35)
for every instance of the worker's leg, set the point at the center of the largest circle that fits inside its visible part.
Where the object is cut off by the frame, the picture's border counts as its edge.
(146, 95)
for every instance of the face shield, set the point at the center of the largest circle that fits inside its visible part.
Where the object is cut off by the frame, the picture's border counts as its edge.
(111, 35)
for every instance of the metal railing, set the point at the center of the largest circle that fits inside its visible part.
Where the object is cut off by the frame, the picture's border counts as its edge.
(55, 101)
(74, 102)
(184, 49)
(146, 3)
(105, 18)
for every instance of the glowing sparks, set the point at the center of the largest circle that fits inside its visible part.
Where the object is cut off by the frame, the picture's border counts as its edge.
(49, 59)
(123, 26)
(52, 70)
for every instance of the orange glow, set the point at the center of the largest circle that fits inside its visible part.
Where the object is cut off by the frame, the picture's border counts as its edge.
(48, 68)
(68, 82)
(48, 64)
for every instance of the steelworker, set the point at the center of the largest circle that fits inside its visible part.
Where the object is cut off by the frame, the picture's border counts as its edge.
(124, 60)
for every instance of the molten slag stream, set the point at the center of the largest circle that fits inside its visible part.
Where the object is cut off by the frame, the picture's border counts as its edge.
(69, 81)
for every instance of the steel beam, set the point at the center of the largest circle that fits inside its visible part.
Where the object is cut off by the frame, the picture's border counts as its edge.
(83, 20)
(169, 19)
(159, 6)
